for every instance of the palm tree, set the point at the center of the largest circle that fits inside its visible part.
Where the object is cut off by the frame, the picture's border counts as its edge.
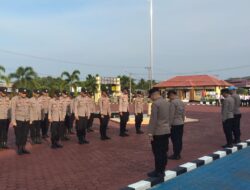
(24, 77)
(90, 83)
(71, 79)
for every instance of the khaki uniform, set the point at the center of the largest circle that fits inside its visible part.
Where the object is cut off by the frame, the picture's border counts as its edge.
(92, 110)
(237, 118)
(105, 111)
(4, 117)
(20, 115)
(45, 109)
(124, 117)
(35, 119)
(139, 108)
(82, 112)
(66, 106)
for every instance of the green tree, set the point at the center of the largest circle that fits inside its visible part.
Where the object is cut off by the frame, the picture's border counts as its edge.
(125, 82)
(24, 77)
(90, 83)
(72, 79)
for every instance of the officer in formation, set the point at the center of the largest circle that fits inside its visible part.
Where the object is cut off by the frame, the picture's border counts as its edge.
(4, 117)
(177, 118)
(66, 107)
(124, 112)
(138, 109)
(105, 112)
(35, 117)
(227, 112)
(20, 118)
(159, 131)
(45, 109)
(237, 114)
(82, 114)
(92, 110)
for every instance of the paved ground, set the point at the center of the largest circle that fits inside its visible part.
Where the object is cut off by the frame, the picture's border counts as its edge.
(107, 165)
(230, 173)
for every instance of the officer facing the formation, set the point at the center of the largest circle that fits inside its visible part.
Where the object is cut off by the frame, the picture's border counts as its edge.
(105, 112)
(124, 112)
(45, 108)
(4, 111)
(66, 107)
(56, 117)
(92, 109)
(227, 112)
(237, 114)
(177, 118)
(35, 117)
(82, 115)
(139, 108)
(20, 118)
(159, 131)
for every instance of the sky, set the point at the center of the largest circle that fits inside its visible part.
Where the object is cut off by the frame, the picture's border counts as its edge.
(112, 37)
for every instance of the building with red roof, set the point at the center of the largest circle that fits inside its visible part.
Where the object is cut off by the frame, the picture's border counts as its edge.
(194, 87)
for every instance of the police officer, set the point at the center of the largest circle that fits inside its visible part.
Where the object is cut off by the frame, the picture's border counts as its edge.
(92, 109)
(82, 114)
(20, 116)
(71, 113)
(35, 117)
(105, 113)
(124, 112)
(4, 109)
(237, 114)
(159, 131)
(177, 118)
(66, 106)
(45, 107)
(227, 112)
(138, 107)
(56, 116)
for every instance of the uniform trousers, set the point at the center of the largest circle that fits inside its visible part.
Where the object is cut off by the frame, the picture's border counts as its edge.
(90, 121)
(81, 126)
(236, 127)
(71, 122)
(21, 132)
(123, 122)
(45, 125)
(160, 149)
(56, 130)
(176, 138)
(138, 121)
(228, 130)
(3, 131)
(35, 130)
(104, 120)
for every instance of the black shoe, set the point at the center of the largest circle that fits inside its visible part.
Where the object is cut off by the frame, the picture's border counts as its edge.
(103, 138)
(174, 157)
(85, 142)
(107, 138)
(58, 145)
(139, 132)
(227, 146)
(25, 151)
(124, 135)
(19, 152)
(156, 174)
(53, 146)
(66, 138)
(90, 130)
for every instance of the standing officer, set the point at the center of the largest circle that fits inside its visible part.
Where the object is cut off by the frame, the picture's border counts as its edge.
(71, 113)
(4, 109)
(138, 106)
(66, 107)
(227, 112)
(124, 112)
(159, 131)
(82, 114)
(20, 116)
(105, 112)
(177, 118)
(45, 107)
(35, 117)
(56, 118)
(92, 109)
(237, 114)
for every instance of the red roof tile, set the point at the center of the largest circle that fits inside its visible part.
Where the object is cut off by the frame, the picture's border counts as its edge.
(192, 81)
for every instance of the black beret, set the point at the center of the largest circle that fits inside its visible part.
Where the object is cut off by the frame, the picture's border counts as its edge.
(37, 91)
(65, 92)
(3, 90)
(45, 91)
(84, 90)
(153, 90)
(23, 90)
(225, 90)
(171, 92)
(58, 93)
